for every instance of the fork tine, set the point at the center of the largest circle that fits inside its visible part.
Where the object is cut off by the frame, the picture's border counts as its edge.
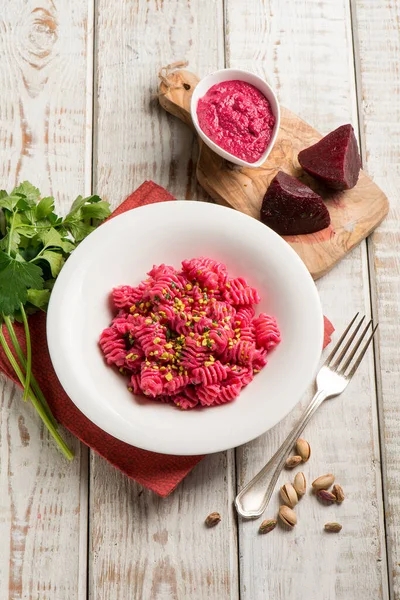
(347, 346)
(336, 348)
(363, 351)
(356, 347)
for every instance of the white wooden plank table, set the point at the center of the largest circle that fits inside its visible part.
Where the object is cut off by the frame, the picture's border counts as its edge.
(78, 112)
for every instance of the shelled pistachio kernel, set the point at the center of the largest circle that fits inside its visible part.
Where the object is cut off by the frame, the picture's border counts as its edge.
(213, 519)
(267, 525)
(326, 496)
(333, 527)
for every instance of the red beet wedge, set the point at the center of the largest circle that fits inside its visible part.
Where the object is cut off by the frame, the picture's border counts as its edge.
(291, 208)
(334, 160)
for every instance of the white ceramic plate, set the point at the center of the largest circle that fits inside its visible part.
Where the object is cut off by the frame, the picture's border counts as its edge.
(121, 252)
(227, 75)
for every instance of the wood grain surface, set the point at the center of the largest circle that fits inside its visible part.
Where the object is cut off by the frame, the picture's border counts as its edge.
(378, 70)
(79, 103)
(43, 138)
(354, 213)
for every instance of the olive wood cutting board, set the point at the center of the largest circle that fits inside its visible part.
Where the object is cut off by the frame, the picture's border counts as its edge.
(354, 213)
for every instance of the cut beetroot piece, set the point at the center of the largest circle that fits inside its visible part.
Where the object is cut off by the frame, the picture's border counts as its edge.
(291, 208)
(334, 160)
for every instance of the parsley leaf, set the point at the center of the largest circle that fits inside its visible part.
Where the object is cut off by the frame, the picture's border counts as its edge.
(39, 298)
(79, 229)
(44, 208)
(28, 191)
(51, 238)
(8, 201)
(15, 279)
(55, 261)
(15, 241)
(98, 210)
(79, 219)
(80, 202)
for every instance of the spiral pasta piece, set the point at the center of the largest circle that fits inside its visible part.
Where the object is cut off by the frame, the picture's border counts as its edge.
(267, 331)
(113, 347)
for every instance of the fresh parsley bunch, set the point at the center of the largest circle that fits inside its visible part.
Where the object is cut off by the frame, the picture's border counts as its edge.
(34, 245)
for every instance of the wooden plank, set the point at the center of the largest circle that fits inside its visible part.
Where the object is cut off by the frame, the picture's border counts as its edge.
(378, 67)
(43, 138)
(308, 52)
(133, 43)
(150, 547)
(143, 546)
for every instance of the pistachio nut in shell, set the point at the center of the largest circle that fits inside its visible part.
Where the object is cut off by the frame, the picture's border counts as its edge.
(287, 516)
(324, 482)
(289, 495)
(300, 484)
(293, 461)
(303, 449)
(338, 491)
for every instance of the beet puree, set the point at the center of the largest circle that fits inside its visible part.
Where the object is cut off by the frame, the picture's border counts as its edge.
(237, 117)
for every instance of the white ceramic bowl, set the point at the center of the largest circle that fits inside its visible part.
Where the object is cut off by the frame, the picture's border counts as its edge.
(227, 75)
(121, 252)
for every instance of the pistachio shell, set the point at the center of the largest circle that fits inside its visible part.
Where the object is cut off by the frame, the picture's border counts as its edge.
(338, 491)
(293, 461)
(289, 495)
(324, 482)
(287, 516)
(300, 484)
(303, 449)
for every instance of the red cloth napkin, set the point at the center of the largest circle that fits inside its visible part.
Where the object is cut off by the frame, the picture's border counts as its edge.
(158, 472)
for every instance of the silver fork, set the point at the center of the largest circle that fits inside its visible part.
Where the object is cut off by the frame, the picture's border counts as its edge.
(332, 380)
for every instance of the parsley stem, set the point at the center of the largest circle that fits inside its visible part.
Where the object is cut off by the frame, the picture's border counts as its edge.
(22, 359)
(28, 368)
(36, 226)
(39, 255)
(39, 408)
(10, 234)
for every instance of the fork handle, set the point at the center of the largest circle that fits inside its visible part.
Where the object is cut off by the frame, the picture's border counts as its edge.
(253, 499)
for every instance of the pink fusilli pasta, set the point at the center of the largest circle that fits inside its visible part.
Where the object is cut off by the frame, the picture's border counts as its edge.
(267, 332)
(189, 337)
